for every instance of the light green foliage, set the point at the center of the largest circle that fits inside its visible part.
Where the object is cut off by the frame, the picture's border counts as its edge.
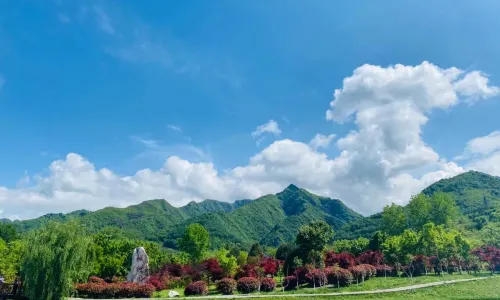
(10, 259)
(55, 257)
(354, 247)
(242, 258)
(419, 211)
(314, 236)
(195, 242)
(444, 209)
(270, 251)
(227, 262)
(394, 219)
(490, 234)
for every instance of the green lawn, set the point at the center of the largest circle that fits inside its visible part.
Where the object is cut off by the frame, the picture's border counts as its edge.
(480, 290)
(371, 284)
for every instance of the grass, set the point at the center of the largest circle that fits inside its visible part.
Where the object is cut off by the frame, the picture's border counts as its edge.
(371, 284)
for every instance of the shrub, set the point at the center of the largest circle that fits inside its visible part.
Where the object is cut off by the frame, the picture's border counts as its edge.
(248, 285)
(371, 258)
(290, 283)
(196, 288)
(343, 260)
(226, 286)
(339, 277)
(301, 273)
(247, 270)
(157, 282)
(383, 270)
(316, 278)
(115, 290)
(370, 270)
(270, 265)
(267, 285)
(174, 283)
(95, 279)
(213, 267)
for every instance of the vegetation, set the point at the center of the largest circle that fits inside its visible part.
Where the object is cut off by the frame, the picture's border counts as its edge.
(195, 242)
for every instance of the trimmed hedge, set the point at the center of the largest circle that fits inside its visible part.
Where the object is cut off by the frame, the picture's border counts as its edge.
(248, 285)
(267, 285)
(115, 290)
(197, 288)
(226, 286)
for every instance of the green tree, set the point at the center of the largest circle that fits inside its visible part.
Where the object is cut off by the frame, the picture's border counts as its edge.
(313, 237)
(227, 262)
(255, 250)
(490, 234)
(55, 257)
(378, 238)
(10, 259)
(284, 250)
(242, 258)
(8, 232)
(195, 242)
(394, 219)
(444, 209)
(419, 211)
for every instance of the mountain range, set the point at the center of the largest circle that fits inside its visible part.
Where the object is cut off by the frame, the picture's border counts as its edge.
(270, 219)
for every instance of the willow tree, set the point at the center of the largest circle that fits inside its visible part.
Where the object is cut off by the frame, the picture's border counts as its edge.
(55, 257)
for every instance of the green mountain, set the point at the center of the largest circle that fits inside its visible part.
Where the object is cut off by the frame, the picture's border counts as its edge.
(477, 195)
(270, 219)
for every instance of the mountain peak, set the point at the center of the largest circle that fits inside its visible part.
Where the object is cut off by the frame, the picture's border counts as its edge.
(292, 187)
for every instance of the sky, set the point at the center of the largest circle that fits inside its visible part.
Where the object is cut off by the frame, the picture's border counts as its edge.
(110, 103)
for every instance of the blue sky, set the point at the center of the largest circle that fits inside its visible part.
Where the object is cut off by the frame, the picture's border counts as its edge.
(126, 85)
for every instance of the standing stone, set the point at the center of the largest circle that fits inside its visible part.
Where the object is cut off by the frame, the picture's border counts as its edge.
(139, 272)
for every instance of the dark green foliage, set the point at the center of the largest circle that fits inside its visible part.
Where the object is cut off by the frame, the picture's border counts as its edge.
(56, 256)
(377, 240)
(255, 250)
(284, 250)
(313, 238)
(8, 232)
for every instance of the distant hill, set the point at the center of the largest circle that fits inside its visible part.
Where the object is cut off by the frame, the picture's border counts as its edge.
(477, 195)
(270, 219)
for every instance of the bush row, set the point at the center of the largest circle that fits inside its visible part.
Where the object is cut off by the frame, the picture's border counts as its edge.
(227, 286)
(102, 290)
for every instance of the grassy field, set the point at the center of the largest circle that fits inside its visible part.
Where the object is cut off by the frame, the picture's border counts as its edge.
(371, 284)
(476, 290)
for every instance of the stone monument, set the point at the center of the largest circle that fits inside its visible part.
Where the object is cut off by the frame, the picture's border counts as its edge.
(139, 272)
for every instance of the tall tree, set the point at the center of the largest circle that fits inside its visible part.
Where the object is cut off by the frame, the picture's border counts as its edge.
(378, 238)
(284, 250)
(8, 232)
(55, 257)
(444, 208)
(313, 237)
(255, 250)
(195, 242)
(419, 211)
(394, 219)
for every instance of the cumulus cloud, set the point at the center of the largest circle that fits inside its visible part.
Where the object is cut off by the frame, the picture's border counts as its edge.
(321, 140)
(483, 153)
(383, 160)
(271, 127)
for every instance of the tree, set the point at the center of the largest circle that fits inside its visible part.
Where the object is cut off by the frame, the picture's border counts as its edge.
(242, 258)
(394, 219)
(378, 238)
(227, 262)
(444, 208)
(8, 232)
(195, 242)
(255, 250)
(10, 259)
(313, 237)
(419, 211)
(284, 250)
(55, 257)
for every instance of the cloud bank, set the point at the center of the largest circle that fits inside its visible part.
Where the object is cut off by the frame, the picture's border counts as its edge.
(381, 161)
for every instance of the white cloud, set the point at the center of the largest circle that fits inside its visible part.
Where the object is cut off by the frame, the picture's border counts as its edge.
(321, 140)
(271, 127)
(474, 86)
(174, 128)
(384, 160)
(483, 154)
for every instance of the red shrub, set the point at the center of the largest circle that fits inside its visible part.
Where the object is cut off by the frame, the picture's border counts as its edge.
(115, 290)
(359, 273)
(248, 285)
(490, 255)
(383, 270)
(316, 278)
(247, 270)
(301, 273)
(172, 270)
(290, 283)
(174, 283)
(371, 258)
(157, 282)
(196, 288)
(343, 260)
(339, 277)
(226, 286)
(213, 268)
(267, 285)
(95, 279)
(370, 270)
(270, 265)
